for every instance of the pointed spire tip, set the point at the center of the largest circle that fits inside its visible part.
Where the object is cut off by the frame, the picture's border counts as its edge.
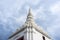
(29, 16)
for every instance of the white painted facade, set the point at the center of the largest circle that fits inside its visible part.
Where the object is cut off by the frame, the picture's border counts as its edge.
(30, 31)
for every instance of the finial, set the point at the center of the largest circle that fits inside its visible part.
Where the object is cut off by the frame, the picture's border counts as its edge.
(29, 10)
(29, 16)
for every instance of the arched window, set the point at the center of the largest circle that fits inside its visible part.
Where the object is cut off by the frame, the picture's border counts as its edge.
(43, 37)
(21, 38)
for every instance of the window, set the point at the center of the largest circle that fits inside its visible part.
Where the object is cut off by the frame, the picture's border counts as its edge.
(21, 38)
(43, 38)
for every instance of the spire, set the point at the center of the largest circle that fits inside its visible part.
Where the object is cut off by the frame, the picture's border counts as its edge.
(29, 16)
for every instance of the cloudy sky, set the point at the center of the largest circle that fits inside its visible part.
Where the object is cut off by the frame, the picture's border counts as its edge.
(13, 14)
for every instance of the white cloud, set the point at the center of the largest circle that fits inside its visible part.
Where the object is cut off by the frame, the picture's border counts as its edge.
(55, 11)
(11, 8)
(39, 13)
(53, 30)
(55, 8)
(21, 19)
(53, 25)
(33, 2)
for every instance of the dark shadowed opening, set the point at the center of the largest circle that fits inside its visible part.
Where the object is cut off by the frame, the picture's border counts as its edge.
(21, 38)
(43, 38)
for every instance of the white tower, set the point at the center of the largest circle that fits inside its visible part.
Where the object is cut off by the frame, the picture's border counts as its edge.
(30, 31)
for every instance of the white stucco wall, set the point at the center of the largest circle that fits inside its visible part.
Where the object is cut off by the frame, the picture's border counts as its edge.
(19, 35)
(38, 36)
(30, 34)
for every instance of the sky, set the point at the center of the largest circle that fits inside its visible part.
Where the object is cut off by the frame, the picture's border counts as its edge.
(13, 15)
